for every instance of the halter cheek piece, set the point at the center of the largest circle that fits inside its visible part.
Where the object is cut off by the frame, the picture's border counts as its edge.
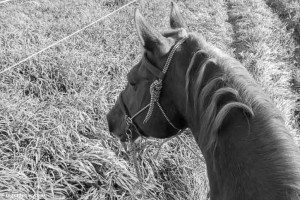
(155, 89)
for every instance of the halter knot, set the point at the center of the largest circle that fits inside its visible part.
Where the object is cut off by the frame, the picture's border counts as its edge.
(155, 89)
(128, 120)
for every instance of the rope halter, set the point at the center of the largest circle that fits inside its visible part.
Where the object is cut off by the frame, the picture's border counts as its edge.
(156, 86)
(155, 90)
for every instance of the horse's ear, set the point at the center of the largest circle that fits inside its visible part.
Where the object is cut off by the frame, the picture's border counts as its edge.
(176, 19)
(151, 39)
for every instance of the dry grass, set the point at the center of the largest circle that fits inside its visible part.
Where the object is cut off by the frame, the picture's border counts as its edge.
(54, 142)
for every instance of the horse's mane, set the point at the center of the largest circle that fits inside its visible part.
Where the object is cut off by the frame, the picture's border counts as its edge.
(212, 76)
(217, 84)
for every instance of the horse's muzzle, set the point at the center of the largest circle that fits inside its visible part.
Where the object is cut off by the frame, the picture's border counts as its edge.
(114, 120)
(116, 123)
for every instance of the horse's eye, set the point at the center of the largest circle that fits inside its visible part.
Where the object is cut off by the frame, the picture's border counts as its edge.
(132, 84)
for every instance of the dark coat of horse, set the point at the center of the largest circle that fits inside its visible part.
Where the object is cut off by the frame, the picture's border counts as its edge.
(250, 154)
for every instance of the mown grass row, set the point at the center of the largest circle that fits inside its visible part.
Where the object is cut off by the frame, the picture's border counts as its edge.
(289, 13)
(266, 48)
(54, 139)
(288, 10)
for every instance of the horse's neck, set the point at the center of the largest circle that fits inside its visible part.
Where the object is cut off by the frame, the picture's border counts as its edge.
(248, 160)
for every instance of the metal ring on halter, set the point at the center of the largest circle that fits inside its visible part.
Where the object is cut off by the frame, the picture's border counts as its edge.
(129, 134)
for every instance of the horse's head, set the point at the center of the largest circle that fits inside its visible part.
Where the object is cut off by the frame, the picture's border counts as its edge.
(153, 102)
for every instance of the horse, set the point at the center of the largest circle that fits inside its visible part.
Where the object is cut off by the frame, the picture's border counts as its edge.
(182, 81)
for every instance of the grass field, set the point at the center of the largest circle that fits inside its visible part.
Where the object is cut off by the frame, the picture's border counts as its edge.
(54, 141)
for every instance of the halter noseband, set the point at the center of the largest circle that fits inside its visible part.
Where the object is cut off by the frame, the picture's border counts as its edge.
(155, 89)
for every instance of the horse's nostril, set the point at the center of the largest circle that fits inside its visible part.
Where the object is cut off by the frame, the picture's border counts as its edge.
(109, 123)
(110, 128)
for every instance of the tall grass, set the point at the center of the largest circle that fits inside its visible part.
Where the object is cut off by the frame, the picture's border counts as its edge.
(54, 141)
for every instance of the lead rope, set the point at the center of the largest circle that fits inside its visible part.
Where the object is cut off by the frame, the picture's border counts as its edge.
(155, 90)
(202, 159)
(177, 136)
(136, 166)
(133, 154)
(138, 171)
